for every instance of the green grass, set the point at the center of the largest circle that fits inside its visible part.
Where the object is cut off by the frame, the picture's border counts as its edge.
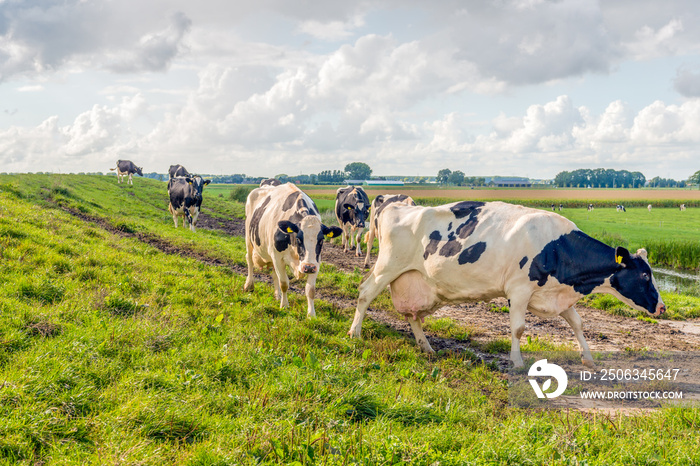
(113, 352)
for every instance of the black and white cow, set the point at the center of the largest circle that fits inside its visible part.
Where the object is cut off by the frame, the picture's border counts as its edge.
(351, 210)
(621, 208)
(682, 207)
(270, 182)
(126, 167)
(378, 204)
(186, 199)
(283, 227)
(474, 251)
(178, 171)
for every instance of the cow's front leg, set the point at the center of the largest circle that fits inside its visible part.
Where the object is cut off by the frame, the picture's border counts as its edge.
(311, 294)
(369, 289)
(346, 237)
(280, 271)
(358, 238)
(518, 308)
(249, 281)
(194, 215)
(572, 317)
(421, 339)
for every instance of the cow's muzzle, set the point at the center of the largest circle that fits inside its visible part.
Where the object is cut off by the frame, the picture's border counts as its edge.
(660, 309)
(308, 268)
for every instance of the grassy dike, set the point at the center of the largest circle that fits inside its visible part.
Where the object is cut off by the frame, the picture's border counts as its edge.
(112, 352)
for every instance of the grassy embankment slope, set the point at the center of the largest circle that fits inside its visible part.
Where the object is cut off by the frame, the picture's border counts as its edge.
(113, 352)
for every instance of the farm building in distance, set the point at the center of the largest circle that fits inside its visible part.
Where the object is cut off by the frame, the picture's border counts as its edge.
(509, 182)
(373, 183)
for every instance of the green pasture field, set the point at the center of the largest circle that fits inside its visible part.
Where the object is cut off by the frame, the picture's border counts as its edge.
(113, 352)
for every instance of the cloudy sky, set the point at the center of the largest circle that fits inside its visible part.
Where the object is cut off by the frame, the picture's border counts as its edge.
(497, 87)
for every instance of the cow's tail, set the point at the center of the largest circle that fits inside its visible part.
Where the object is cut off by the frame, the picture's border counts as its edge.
(112, 169)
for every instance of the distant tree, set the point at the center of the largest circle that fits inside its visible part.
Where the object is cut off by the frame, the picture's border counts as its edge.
(358, 171)
(456, 177)
(443, 176)
(695, 178)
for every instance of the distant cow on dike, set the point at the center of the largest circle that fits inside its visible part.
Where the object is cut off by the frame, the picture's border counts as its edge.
(649, 207)
(682, 207)
(475, 251)
(283, 227)
(351, 210)
(178, 171)
(186, 199)
(126, 167)
(270, 182)
(378, 204)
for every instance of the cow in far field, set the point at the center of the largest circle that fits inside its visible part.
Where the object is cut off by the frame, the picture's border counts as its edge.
(270, 182)
(178, 171)
(378, 204)
(682, 207)
(475, 251)
(590, 207)
(621, 208)
(283, 228)
(126, 167)
(351, 210)
(186, 199)
(649, 207)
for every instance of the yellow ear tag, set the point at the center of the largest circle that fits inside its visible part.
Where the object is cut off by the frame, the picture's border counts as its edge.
(618, 259)
(329, 235)
(289, 230)
(349, 208)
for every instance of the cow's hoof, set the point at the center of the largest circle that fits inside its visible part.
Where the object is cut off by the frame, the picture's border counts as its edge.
(311, 314)
(355, 333)
(588, 363)
(249, 286)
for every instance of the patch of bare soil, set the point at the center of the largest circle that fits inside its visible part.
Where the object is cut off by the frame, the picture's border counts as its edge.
(603, 331)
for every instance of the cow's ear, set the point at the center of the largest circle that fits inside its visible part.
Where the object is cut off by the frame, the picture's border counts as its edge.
(207, 182)
(189, 180)
(331, 232)
(348, 206)
(288, 227)
(622, 256)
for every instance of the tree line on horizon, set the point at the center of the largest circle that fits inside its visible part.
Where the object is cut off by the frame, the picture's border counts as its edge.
(580, 178)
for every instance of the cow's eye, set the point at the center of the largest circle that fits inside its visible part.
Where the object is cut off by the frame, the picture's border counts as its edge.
(645, 276)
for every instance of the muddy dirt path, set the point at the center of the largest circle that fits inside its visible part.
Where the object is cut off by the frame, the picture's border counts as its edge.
(603, 331)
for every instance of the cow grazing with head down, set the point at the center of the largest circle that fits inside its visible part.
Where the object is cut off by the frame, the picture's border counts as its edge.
(378, 204)
(186, 199)
(283, 227)
(351, 210)
(270, 182)
(178, 171)
(474, 251)
(126, 167)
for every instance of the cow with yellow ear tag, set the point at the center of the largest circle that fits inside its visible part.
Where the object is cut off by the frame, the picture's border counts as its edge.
(352, 211)
(283, 228)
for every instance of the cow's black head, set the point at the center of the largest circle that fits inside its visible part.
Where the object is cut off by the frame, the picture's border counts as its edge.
(139, 170)
(197, 184)
(634, 281)
(358, 212)
(307, 238)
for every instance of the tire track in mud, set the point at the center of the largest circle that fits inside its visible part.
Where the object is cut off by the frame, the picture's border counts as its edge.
(603, 331)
